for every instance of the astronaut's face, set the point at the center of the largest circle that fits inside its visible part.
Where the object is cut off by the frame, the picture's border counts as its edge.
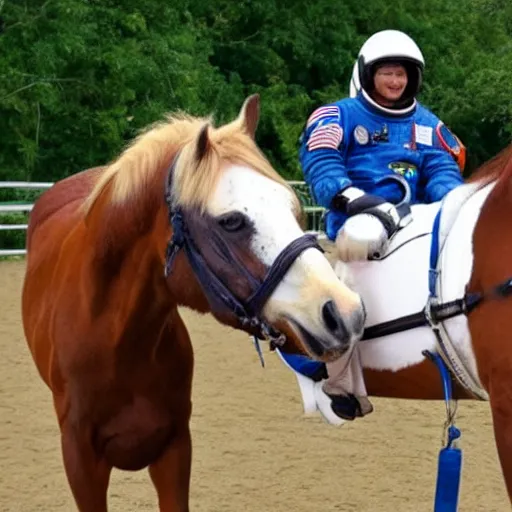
(390, 81)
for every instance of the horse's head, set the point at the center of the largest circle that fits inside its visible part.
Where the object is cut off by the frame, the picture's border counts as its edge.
(237, 221)
(234, 222)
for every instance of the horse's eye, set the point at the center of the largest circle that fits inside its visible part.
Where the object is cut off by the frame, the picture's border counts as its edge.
(232, 221)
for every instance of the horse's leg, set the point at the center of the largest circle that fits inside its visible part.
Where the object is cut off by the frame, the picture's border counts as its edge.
(88, 475)
(171, 473)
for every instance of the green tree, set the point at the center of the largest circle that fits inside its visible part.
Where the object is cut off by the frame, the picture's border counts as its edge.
(80, 78)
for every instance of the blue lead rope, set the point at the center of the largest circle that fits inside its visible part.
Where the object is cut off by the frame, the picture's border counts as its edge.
(434, 254)
(449, 463)
(450, 456)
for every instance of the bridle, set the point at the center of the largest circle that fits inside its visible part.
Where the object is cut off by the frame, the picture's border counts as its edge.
(220, 297)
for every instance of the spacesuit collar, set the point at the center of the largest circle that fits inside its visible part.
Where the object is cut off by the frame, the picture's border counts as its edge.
(387, 111)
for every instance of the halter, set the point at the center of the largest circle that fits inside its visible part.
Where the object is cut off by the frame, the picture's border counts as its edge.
(219, 296)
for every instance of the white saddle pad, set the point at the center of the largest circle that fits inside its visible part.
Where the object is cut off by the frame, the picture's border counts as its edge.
(397, 285)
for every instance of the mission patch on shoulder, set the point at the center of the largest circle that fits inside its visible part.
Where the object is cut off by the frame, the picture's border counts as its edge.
(451, 143)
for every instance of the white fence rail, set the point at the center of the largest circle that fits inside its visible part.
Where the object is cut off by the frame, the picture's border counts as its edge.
(315, 213)
(20, 207)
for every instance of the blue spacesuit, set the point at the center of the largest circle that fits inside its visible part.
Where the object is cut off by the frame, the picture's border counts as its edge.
(350, 143)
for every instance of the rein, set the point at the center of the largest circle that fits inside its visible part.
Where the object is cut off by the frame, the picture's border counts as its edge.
(219, 296)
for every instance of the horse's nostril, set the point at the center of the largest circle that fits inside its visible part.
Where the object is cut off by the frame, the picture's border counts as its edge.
(330, 315)
(333, 320)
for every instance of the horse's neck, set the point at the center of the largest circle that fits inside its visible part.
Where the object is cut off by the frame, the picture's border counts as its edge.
(124, 262)
(117, 227)
(128, 262)
(126, 288)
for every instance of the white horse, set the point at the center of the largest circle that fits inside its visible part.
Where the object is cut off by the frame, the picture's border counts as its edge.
(395, 292)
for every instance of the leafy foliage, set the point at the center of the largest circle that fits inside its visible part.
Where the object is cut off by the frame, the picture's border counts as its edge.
(81, 77)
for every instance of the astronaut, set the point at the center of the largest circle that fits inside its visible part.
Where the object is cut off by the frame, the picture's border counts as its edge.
(367, 158)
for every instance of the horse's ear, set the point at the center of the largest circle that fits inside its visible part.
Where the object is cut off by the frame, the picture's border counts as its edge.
(202, 142)
(250, 114)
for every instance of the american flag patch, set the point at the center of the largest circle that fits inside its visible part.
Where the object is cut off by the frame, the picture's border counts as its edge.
(323, 113)
(327, 136)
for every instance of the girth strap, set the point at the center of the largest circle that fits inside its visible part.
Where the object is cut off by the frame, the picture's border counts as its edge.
(436, 313)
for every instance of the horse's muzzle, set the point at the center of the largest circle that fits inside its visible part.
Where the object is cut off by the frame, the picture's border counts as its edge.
(341, 331)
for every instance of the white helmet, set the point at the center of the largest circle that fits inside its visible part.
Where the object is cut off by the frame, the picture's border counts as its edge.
(389, 46)
(355, 85)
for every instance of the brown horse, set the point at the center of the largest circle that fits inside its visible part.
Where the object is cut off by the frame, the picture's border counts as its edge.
(103, 285)
(443, 287)
(491, 323)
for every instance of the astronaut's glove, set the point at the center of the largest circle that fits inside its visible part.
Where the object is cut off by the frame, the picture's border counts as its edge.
(371, 223)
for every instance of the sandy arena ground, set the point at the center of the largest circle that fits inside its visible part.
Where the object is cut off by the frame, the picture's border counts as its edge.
(253, 450)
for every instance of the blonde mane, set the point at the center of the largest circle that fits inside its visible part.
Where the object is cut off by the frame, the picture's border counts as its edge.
(134, 171)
